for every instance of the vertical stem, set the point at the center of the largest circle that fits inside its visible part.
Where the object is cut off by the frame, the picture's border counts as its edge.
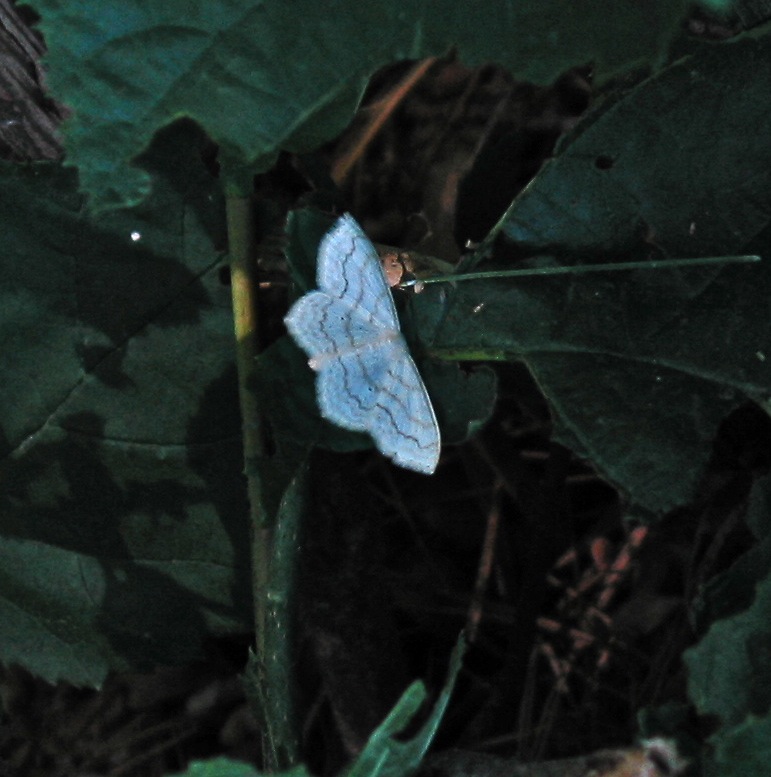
(241, 242)
(241, 246)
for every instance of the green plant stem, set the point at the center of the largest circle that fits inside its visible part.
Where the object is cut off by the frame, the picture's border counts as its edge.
(269, 674)
(241, 242)
(578, 269)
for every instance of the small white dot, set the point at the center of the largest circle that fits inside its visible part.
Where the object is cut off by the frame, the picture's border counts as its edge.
(136, 236)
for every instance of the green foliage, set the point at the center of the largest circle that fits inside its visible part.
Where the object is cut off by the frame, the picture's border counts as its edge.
(730, 669)
(384, 755)
(123, 531)
(676, 350)
(224, 767)
(265, 76)
(732, 591)
(122, 508)
(743, 750)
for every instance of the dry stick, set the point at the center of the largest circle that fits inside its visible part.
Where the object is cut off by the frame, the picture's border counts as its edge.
(485, 566)
(385, 107)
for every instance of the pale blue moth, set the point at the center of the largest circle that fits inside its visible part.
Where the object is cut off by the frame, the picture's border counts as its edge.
(367, 380)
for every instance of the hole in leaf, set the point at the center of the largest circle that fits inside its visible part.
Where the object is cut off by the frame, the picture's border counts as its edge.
(604, 162)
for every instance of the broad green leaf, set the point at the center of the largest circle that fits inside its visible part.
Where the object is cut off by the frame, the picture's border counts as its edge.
(742, 750)
(122, 514)
(463, 400)
(729, 671)
(641, 368)
(265, 75)
(635, 171)
(226, 767)
(733, 590)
